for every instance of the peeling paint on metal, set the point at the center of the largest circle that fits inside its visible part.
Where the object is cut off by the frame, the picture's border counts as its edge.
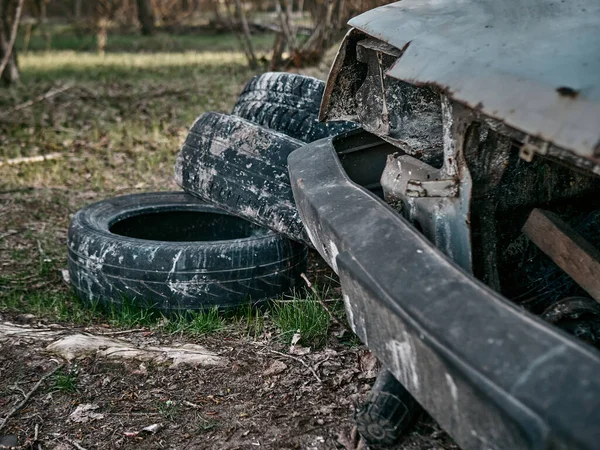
(405, 361)
(349, 312)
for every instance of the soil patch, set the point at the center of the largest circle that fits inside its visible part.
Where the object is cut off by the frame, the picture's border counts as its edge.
(258, 398)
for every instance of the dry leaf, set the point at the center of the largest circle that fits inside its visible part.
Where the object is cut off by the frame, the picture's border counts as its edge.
(299, 350)
(275, 368)
(84, 413)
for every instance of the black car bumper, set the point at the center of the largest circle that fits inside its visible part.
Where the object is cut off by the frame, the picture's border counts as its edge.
(491, 374)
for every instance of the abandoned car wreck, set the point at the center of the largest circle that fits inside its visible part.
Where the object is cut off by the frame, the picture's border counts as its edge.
(448, 172)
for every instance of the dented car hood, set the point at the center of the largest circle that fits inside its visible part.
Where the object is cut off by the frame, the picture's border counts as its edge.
(532, 64)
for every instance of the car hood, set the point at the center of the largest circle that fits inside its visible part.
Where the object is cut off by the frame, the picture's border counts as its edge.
(532, 64)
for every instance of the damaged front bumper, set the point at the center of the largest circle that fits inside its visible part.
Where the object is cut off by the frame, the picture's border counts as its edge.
(492, 375)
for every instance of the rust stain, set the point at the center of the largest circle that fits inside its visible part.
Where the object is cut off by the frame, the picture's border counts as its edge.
(565, 91)
(597, 150)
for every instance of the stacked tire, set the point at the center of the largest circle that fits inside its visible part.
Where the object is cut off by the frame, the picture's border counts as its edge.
(239, 162)
(219, 242)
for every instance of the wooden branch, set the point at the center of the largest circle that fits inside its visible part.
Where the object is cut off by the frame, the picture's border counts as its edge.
(248, 37)
(284, 20)
(276, 57)
(239, 35)
(567, 248)
(29, 394)
(39, 98)
(300, 361)
(30, 159)
(13, 36)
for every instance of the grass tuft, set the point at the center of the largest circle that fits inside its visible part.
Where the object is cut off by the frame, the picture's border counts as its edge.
(59, 305)
(250, 319)
(205, 425)
(303, 313)
(192, 322)
(168, 409)
(130, 315)
(65, 381)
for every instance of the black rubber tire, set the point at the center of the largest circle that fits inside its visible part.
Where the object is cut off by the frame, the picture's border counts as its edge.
(241, 167)
(171, 252)
(387, 413)
(288, 103)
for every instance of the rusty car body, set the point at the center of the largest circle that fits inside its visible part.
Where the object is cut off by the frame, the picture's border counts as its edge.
(474, 114)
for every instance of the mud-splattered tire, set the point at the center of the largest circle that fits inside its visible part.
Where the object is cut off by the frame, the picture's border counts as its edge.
(171, 252)
(241, 167)
(387, 413)
(288, 103)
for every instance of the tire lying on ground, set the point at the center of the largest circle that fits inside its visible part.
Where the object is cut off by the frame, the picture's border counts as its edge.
(171, 252)
(288, 103)
(241, 167)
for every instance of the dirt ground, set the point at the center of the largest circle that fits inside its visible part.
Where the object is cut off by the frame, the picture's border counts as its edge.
(261, 397)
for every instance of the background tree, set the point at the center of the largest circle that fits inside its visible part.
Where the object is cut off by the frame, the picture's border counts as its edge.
(10, 15)
(146, 17)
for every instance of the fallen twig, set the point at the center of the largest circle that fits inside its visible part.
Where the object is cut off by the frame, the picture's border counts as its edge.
(70, 441)
(191, 405)
(39, 98)
(29, 394)
(300, 361)
(11, 233)
(116, 333)
(73, 443)
(30, 159)
(323, 304)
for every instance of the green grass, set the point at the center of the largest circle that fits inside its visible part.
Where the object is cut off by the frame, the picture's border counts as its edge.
(128, 112)
(305, 314)
(62, 306)
(60, 37)
(129, 315)
(169, 409)
(250, 319)
(196, 322)
(65, 381)
(127, 67)
(302, 313)
(205, 425)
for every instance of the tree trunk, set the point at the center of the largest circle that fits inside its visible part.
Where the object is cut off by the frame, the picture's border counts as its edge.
(217, 17)
(9, 67)
(101, 34)
(146, 17)
(278, 48)
(243, 35)
(77, 10)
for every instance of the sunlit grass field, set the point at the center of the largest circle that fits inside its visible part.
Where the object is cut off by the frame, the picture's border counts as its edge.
(126, 109)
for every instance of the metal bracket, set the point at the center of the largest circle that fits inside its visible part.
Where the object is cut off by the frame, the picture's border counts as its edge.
(530, 147)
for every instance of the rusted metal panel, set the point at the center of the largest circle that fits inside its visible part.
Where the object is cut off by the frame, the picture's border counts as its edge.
(437, 201)
(532, 64)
